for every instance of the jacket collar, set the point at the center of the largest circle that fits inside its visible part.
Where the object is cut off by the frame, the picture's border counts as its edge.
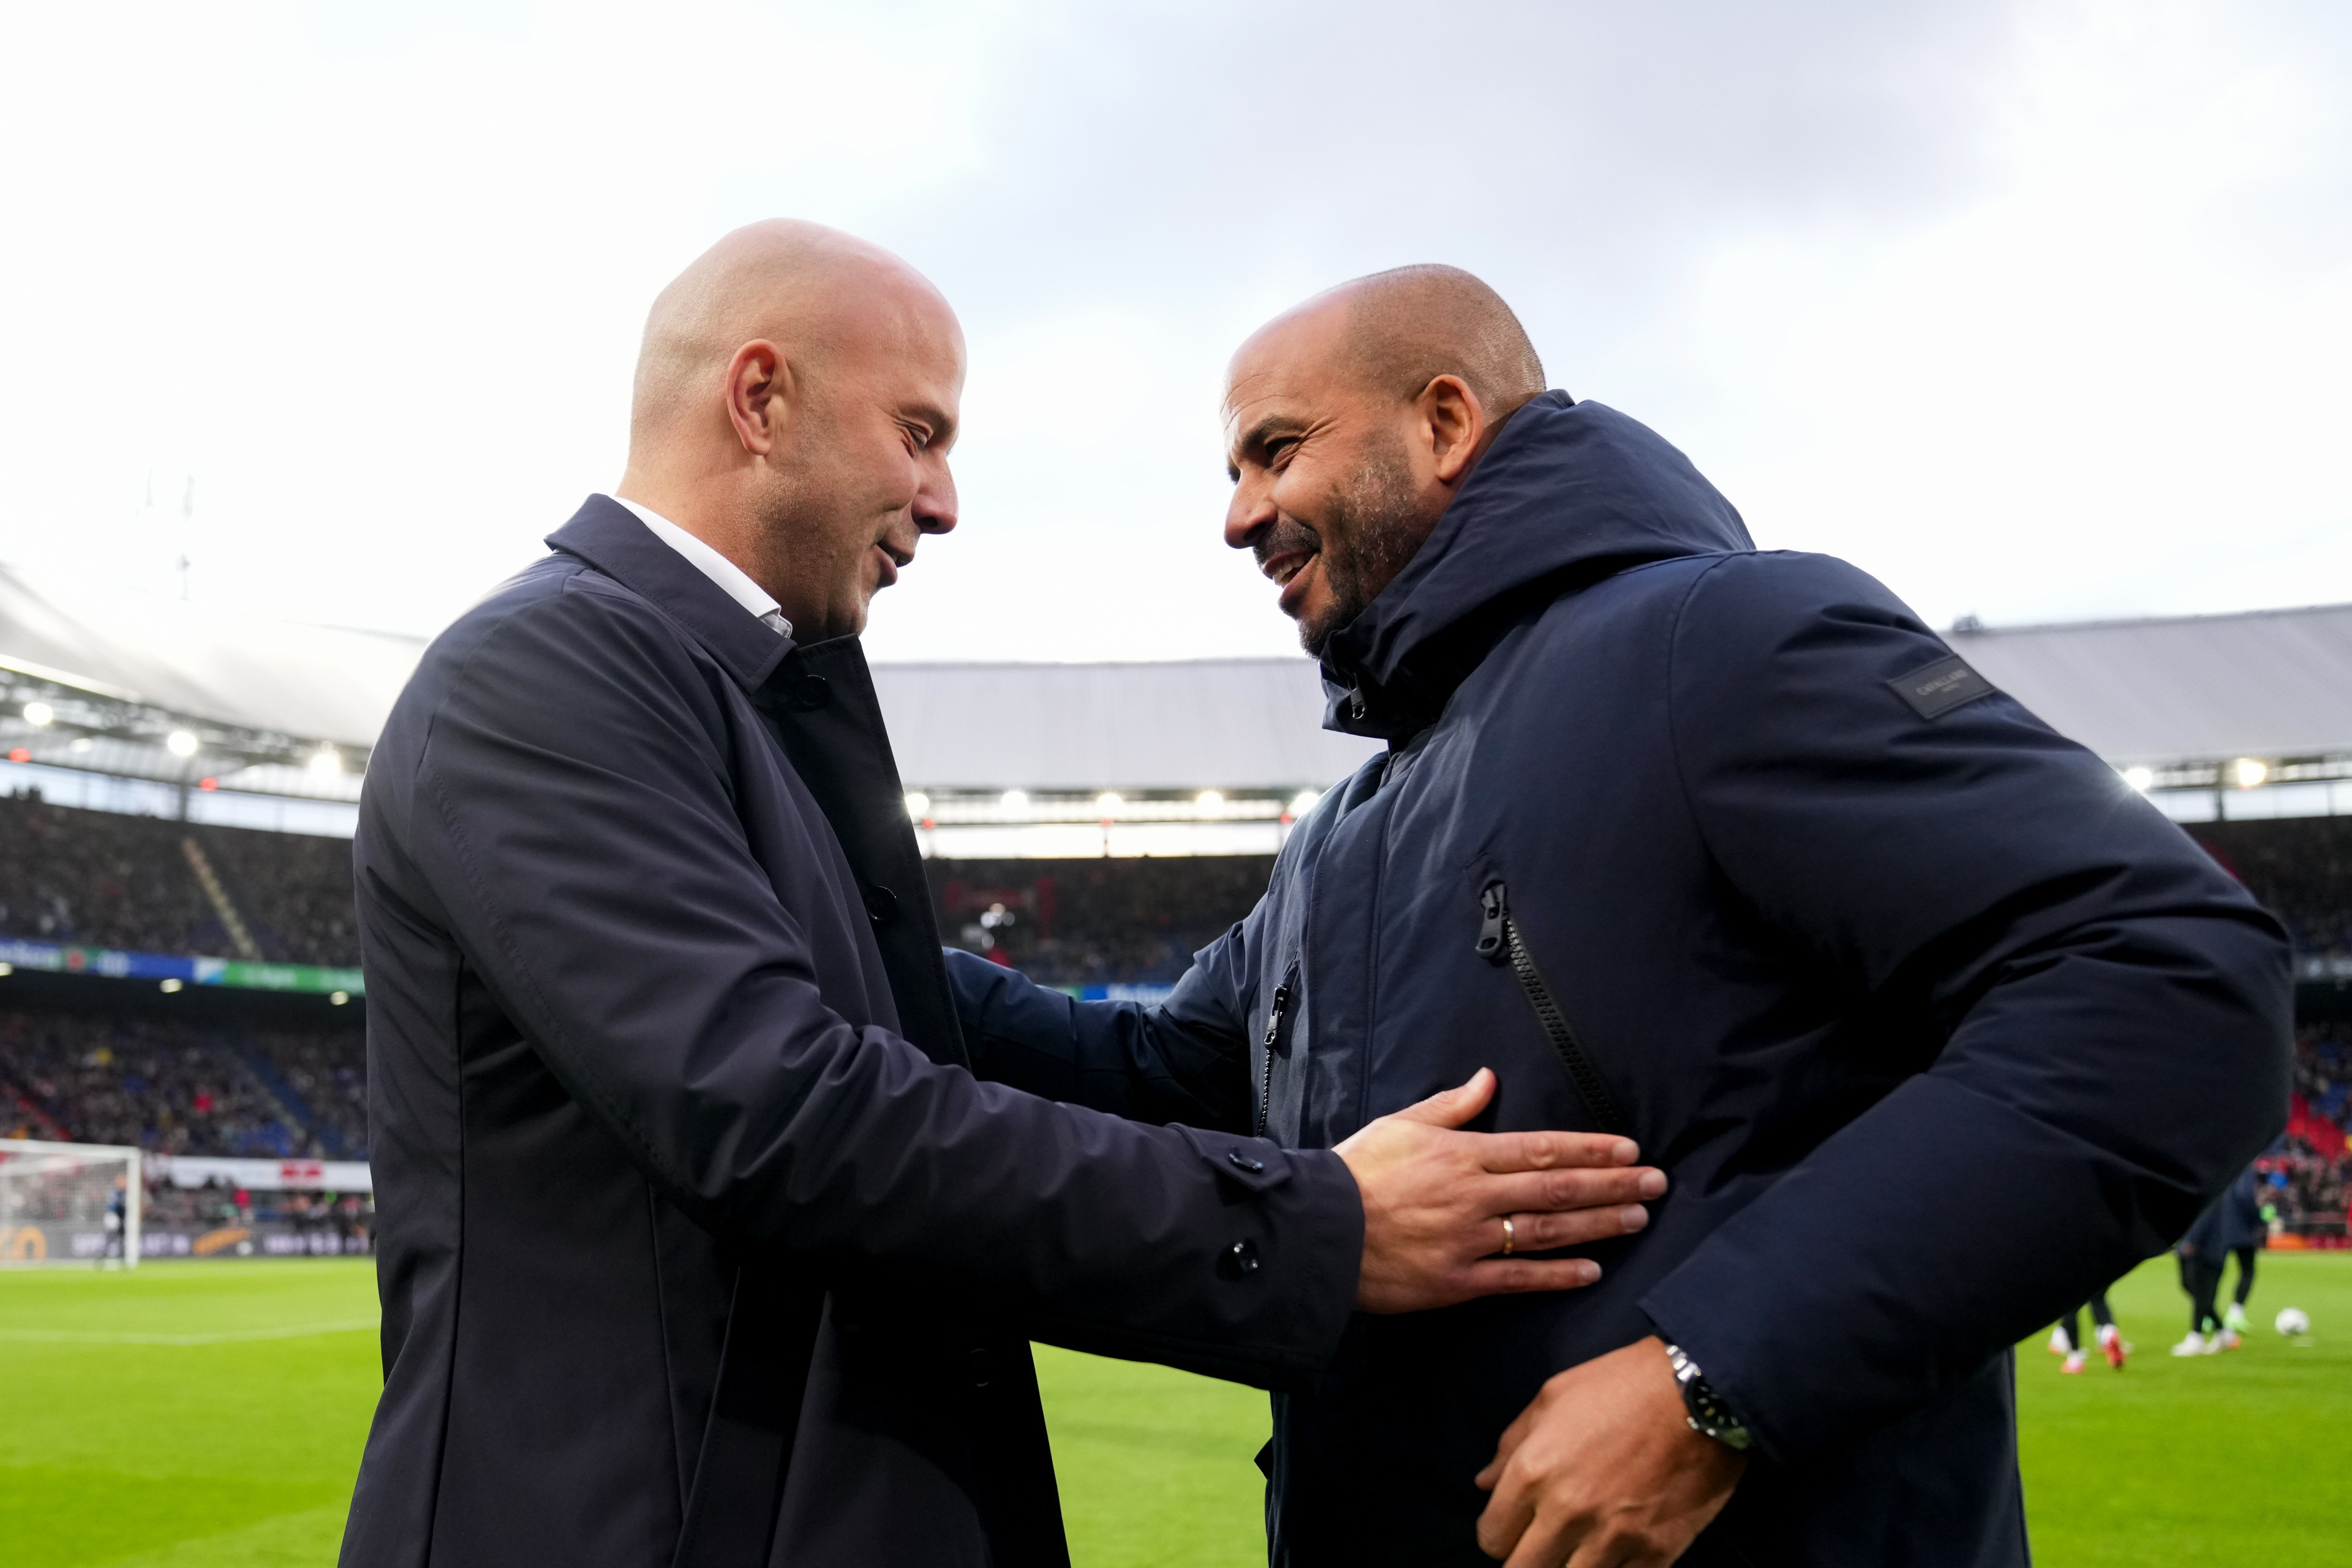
(608, 536)
(1569, 493)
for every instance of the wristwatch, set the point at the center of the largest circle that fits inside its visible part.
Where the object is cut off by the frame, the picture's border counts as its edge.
(1709, 1416)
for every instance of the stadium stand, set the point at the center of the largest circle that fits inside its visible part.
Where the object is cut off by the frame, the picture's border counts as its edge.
(1094, 922)
(2308, 1177)
(102, 879)
(180, 1088)
(2301, 868)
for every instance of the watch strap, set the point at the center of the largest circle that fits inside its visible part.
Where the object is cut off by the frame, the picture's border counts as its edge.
(1704, 1408)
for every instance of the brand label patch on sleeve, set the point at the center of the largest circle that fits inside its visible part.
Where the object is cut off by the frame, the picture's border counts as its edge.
(1937, 689)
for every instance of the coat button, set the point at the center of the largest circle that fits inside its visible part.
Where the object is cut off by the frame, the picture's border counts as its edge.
(810, 693)
(1242, 1258)
(1244, 1162)
(881, 906)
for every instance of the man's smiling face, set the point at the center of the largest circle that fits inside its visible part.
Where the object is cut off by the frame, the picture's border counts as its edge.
(868, 474)
(1325, 494)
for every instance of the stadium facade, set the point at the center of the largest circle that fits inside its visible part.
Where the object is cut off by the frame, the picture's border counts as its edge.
(167, 712)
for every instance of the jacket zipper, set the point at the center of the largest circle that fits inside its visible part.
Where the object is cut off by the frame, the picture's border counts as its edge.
(1500, 942)
(1272, 1032)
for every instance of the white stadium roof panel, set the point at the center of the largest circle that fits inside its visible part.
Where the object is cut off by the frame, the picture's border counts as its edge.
(1215, 723)
(2267, 683)
(324, 683)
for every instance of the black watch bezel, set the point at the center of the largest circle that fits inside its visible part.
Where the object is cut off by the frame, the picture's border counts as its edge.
(1709, 1416)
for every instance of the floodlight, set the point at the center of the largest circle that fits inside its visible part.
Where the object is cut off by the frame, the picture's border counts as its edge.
(1013, 800)
(6, 970)
(1108, 803)
(171, 985)
(2249, 773)
(1209, 800)
(1304, 801)
(39, 713)
(918, 805)
(339, 998)
(326, 761)
(179, 744)
(2139, 778)
(82, 743)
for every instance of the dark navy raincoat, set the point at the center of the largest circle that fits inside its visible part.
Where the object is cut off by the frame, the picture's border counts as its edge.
(1937, 1025)
(699, 1245)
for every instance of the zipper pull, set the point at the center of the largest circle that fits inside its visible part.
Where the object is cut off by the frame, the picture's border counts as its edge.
(1273, 1027)
(1274, 1017)
(1494, 911)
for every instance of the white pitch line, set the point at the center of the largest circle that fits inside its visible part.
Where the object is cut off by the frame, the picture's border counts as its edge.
(79, 1337)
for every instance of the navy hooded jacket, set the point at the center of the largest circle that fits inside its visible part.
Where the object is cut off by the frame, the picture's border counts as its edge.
(1937, 1025)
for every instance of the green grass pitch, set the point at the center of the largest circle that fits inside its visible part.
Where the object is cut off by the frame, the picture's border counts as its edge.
(210, 1414)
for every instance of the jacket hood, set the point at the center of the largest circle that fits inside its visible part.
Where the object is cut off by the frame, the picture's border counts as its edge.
(1569, 493)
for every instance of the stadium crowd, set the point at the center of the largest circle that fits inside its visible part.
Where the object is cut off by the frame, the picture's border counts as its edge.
(2300, 867)
(104, 879)
(182, 1088)
(349, 1217)
(1095, 922)
(100, 878)
(2307, 1179)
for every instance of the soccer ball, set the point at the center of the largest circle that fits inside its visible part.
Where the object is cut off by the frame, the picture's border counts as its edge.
(2292, 1320)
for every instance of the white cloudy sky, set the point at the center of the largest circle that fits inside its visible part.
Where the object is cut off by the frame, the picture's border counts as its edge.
(2038, 310)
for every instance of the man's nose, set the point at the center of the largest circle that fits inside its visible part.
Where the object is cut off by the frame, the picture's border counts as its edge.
(1250, 513)
(935, 503)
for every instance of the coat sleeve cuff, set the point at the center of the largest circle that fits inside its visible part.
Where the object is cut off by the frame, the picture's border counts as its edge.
(1289, 1269)
(1928, 1236)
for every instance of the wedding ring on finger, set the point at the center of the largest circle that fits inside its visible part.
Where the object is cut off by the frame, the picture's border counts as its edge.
(1510, 1236)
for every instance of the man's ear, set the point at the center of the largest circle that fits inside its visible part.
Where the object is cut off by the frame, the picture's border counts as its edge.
(759, 395)
(1455, 423)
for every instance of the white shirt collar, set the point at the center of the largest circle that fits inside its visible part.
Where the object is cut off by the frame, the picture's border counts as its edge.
(715, 566)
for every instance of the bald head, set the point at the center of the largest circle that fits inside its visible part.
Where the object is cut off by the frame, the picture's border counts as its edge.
(1393, 332)
(1352, 420)
(806, 288)
(796, 396)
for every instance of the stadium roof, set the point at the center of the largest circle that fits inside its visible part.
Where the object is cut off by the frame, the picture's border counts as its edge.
(316, 683)
(1211, 723)
(2153, 693)
(2265, 683)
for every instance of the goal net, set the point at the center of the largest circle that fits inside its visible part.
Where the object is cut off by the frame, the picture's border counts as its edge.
(68, 1204)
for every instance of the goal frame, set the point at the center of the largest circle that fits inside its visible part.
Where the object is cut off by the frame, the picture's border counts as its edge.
(15, 1153)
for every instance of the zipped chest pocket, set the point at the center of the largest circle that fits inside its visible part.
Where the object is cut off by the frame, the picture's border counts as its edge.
(1274, 1042)
(1500, 942)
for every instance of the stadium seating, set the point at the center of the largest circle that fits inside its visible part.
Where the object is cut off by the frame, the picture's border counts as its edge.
(101, 880)
(2307, 1175)
(1092, 923)
(107, 880)
(182, 1088)
(2301, 868)
(248, 1087)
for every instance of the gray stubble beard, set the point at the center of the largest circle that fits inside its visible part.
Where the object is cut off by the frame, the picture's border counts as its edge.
(1382, 530)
